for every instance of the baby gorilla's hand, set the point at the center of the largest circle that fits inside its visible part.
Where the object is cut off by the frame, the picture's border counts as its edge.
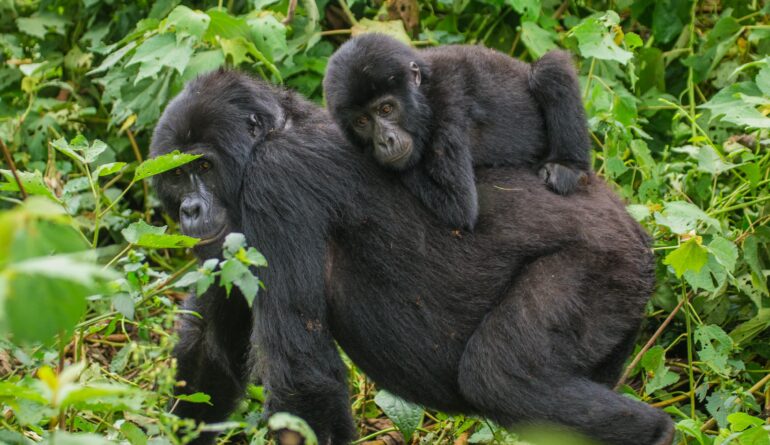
(561, 178)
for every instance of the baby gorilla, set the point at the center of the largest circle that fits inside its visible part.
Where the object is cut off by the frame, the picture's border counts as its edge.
(434, 114)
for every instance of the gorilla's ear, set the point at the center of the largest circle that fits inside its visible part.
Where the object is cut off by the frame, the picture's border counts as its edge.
(416, 77)
(255, 126)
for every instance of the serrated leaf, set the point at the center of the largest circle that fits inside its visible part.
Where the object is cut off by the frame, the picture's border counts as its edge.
(392, 28)
(187, 21)
(109, 168)
(715, 347)
(537, 40)
(654, 362)
(160, 51)
(683, 217)
(733, 104)
(39, 25)
(64, 147)
(233, 243)
(163, 163)
(405, 415)
(689, 256)
(725, 252)
(595, 40)
(32, 182)
(135, 230)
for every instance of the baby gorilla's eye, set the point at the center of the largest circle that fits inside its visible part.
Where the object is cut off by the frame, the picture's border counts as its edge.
(205, 166)
(386, 109)
(362, 120)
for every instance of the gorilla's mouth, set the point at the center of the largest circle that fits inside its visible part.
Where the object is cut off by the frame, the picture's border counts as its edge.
(206, 240)
(405, 151)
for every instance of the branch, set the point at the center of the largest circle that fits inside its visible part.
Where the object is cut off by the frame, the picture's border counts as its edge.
(12, 166)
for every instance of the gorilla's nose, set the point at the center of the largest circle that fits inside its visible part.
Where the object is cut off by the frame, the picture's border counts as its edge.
(190, 212)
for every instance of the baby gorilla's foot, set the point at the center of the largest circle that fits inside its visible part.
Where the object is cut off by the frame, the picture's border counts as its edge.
(562, 179)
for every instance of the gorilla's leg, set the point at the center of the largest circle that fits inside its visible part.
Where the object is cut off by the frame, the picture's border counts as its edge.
(212, 355)
(523, 363)
(553, 82)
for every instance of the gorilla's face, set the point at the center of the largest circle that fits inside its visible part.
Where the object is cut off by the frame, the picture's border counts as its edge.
(190, 194)
(383, 124)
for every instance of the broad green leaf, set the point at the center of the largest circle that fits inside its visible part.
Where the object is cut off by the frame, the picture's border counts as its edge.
(203, 62)
(109, 168)
(392, 28)
(734, 105)
(595, 40)
(715, 347)
(133, 433)
(683, 217)
(160, 51)
(286, 421)
(113, 58)
(32, 182)
(747, 330)
(225, 26)
(742, 421)
(163, 163)
(725, 252)
(40, 24)
(528, 9)
(763, 79)
(187, 21)
(689, 256)
(142, 234)
(405, 415)
(659, 375)
(64, 147)
(269, 36)
(537, 40)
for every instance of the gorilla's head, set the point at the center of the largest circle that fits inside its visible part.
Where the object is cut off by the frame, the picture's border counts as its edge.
(223, 117)
(374, 88)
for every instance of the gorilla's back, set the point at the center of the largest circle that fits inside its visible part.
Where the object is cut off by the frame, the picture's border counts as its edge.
(417, 271)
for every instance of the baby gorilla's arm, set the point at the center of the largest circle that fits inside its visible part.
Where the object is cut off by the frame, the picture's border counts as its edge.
(444, 179)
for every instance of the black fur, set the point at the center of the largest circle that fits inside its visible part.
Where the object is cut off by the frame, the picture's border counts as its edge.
(473, 107)
(527, 319)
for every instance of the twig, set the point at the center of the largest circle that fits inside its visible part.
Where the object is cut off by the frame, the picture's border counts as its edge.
(649, 343)
(290, 12)
(12, 166)
(348, 13)
(145, 188)
(558, 13)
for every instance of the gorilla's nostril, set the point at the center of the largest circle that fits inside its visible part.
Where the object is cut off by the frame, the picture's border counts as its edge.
(191, 210)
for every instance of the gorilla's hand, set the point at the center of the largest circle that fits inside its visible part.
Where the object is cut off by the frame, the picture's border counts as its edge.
(561, 178)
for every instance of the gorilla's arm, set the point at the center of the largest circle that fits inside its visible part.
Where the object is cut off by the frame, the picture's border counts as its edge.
(445, 181)
(211, 355)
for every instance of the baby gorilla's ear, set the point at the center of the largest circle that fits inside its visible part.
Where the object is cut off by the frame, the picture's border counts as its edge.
(416, 77)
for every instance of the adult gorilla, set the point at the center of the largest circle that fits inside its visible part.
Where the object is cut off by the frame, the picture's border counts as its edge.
(529, 318)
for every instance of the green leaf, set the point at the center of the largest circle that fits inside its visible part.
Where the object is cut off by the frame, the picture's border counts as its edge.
(39, 25)
(286, 421)
(225, 26)
(392, 28)
(528, 9)
(725, 252)
(32, 182)
(594, 40)
(537, 40)
(160, 51)
(689, 256)
(142, 234)
(109, 169)
(742, 421)
(163, 163)
(683, 217)
(64, 147)
(734, 105)
(269, 36)
(133, 433)
(197, 397)
(715, 347)
(405, 415)
(187, 21)
(659, 375)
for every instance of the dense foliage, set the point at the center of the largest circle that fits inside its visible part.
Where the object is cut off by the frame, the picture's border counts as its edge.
(678, 96)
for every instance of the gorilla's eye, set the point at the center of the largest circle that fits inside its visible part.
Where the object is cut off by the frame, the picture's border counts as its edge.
(386, 109)
(362, 120)
(205, 166)
(178, 172)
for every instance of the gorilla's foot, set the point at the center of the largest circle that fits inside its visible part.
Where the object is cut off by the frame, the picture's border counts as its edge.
(562, 179)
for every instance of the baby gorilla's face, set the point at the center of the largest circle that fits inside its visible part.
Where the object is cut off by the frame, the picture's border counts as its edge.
(380, 123)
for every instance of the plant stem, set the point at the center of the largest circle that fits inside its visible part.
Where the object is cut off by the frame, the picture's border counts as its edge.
(12, 167)
(348, 13)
